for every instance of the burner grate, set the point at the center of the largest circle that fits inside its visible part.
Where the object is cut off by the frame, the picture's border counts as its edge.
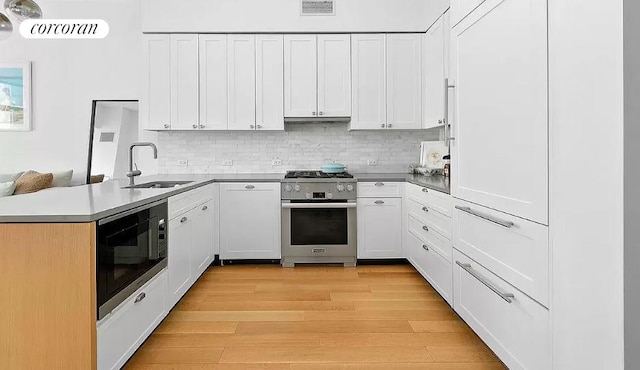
(317, 175)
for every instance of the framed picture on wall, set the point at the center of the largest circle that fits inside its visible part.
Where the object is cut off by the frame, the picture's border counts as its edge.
(15, 96)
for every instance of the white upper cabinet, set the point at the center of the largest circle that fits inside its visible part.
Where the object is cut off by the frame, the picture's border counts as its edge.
(184, 82)
(334, 75)
(501, 120)
(368, 68)
(317, 76)
(404, 82)
(155, 113)
(269, 82)
(435, 58)
(213, 82)
(241, 51)
(300, 80)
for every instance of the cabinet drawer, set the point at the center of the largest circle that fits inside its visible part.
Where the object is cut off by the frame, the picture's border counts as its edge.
(423, 212)
(183, 202)
(120, 334)
(253, 186)
(518, 332)
(433, 239)
(380, 189)
(435, 200)
(432, 266)
(515, 249)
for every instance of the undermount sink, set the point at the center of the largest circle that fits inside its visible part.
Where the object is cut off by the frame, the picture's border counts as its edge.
(158, 185)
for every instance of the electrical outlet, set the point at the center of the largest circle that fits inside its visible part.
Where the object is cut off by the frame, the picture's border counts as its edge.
(227, 162)
(372, 162)
(276, 162)
(183, 162)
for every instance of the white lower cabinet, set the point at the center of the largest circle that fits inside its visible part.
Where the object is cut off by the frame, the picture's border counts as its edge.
(190, 240)
(431, 265)
(250, 221)
(513, 325)
(379, 228)
(121, 333)
(428, 237)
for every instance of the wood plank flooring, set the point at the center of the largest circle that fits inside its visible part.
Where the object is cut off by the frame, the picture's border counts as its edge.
(313, 318)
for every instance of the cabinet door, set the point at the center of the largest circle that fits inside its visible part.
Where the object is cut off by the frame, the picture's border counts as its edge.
(334, 75)
(202, 238)
(300, 80)
(269, 82)
(213, 82)
(368, 69)
(250, 221)
(155, 111)
(434, 68)
(184, 82)
(404, 81)
(380, 228)
(241, 53)
(501, 118)
(179, 258)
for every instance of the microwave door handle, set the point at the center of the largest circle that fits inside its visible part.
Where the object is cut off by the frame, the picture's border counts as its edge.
(154, 253)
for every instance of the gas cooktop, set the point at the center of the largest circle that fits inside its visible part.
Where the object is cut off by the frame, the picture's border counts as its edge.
(316, 175)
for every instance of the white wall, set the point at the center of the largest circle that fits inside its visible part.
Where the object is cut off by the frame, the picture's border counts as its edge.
(301, 146)
(67, 76)
(284, 16)
(586, 177)
(129, 133)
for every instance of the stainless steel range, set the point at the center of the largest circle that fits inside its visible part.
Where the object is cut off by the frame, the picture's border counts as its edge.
(318, 218)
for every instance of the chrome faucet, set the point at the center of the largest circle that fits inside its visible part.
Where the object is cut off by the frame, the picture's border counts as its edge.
(133, 173)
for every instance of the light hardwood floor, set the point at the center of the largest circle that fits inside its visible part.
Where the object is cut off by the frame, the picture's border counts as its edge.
(310, 317)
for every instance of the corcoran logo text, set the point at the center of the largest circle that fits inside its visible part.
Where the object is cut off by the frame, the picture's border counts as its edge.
(64, 29)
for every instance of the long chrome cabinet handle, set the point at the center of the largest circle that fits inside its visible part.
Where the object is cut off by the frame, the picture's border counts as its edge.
(447, 129)
(508, 297)
(507, 224)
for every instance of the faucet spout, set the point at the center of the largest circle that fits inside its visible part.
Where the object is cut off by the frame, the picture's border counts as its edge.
(133, 173)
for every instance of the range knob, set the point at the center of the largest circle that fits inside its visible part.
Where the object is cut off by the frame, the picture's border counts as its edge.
(309, 196)
(297, 188)
(340, 187)
(288, 187)
(349, 187)
(329, 196)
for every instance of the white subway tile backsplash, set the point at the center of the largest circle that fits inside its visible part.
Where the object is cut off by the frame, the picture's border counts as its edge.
(301, 146)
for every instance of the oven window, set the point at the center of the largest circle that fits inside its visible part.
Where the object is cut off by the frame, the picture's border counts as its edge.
(319, 226)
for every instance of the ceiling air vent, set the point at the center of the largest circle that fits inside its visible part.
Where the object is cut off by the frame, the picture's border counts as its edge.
(318, 7)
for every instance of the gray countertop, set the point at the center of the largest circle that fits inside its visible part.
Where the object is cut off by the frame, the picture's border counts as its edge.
(89, 203)
(438, 183)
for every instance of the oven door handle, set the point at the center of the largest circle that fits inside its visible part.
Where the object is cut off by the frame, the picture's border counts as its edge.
(318, 205)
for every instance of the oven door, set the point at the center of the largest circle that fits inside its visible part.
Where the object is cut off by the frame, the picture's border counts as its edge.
(326, 229)
(131, 250)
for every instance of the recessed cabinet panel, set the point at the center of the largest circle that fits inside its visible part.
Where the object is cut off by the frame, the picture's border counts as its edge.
(179, 258)
(156, 98)
(501, 48)
(242, 82)
(250, 221)
(380, 228)
(184, 82)
(213, 82)
(368, 69)
(269, 82)
(334, 75)
(300, 80)
(404, 82)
